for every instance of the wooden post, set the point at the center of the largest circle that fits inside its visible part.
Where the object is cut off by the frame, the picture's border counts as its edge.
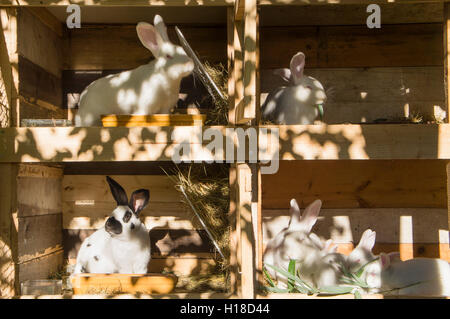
(448, 193)
(9, 73)
(8, 229)
(446, 32)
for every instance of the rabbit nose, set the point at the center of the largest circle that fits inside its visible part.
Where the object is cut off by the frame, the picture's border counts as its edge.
(112, 226)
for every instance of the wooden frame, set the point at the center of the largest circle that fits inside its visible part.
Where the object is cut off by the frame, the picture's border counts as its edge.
(298, 142)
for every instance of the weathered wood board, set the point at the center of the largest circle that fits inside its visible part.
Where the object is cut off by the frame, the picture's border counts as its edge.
(94, 46)
(353, 46)
(356, 95)
(38, 43)
(357, 184)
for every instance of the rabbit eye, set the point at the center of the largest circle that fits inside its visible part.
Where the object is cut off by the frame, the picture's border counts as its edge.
(169, 56)
(309, 87)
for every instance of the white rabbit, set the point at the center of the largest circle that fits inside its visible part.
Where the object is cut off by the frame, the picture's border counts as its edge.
(149, 89)
(362, 254)
(123, 244)
(296, 242)
(301, 102)
(417, 276)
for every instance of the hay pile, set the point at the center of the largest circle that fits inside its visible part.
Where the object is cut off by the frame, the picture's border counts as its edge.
(219, 114)
(207, 188)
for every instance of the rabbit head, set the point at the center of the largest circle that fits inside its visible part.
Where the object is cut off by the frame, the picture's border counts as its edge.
(309, 91)
(124, 220)
(362, 254)
(169, 57)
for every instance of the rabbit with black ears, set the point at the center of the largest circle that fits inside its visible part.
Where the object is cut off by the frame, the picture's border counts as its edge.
(149, 89)
(123, 244)
(299, 103)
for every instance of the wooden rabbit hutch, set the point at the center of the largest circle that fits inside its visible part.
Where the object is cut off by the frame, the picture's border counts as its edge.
(371, 166)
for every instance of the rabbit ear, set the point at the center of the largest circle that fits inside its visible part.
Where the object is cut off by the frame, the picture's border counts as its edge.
(149, 37)
(294, 211)
(117, 191)
(161, 27)
(139, 200)
(297, 65)
(285, 74)
(310, 215)
(385, 261)
(367, 240)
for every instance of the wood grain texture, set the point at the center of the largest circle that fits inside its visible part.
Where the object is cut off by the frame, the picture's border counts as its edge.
(8, 233)
(351, 14)
(358, 95)
(94, 45)
(357, 184)
(40, 268)
(39, 43)
(38, 84)
(37, 234)
(39, 196)
(353, 46)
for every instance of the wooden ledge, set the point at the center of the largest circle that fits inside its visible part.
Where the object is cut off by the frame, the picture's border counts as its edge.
(296, 142)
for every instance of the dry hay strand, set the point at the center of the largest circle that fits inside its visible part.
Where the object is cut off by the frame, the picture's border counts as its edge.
(219, 114)
(207, 188)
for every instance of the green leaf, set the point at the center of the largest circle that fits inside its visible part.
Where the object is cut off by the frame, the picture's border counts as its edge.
(291, 269)
(276, 289)
(301, 286)
(269, 279)
(357, 294)
(338, 290)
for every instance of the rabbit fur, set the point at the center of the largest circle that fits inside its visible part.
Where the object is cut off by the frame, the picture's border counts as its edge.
(149, 89)
(417, 276)
(299, 103)
(123, 244)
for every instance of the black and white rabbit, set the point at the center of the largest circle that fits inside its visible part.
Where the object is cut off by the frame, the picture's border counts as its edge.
(123, 244)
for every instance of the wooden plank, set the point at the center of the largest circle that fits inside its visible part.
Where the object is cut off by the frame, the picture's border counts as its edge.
(205, 16)
(39, 196)
(40, 171)
(231, 65)
(95, 187)
(238, 72)
(247, 111)
(357, 184)
(311, 142)
(92, 214)
(38, 43)
(94, 44)
(392, 225)
(8, 232)
(333, 2)
(38, 234)
(239, 10)
(353, 46)
(40, 268)
(36, 110)
(233, 217)
(446, 30)
(245, 204)
(374, 93)
(9, 68)
(351, 14)
(175, 3)
(380, 141)
(37, 84)
(48, 19)
(448, 193)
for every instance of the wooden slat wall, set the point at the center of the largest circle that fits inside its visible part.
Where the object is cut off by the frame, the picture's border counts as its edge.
(97, 47)
(39, 221)
(40, 64)
(405, 202)
(178, 241)
(385, 73)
